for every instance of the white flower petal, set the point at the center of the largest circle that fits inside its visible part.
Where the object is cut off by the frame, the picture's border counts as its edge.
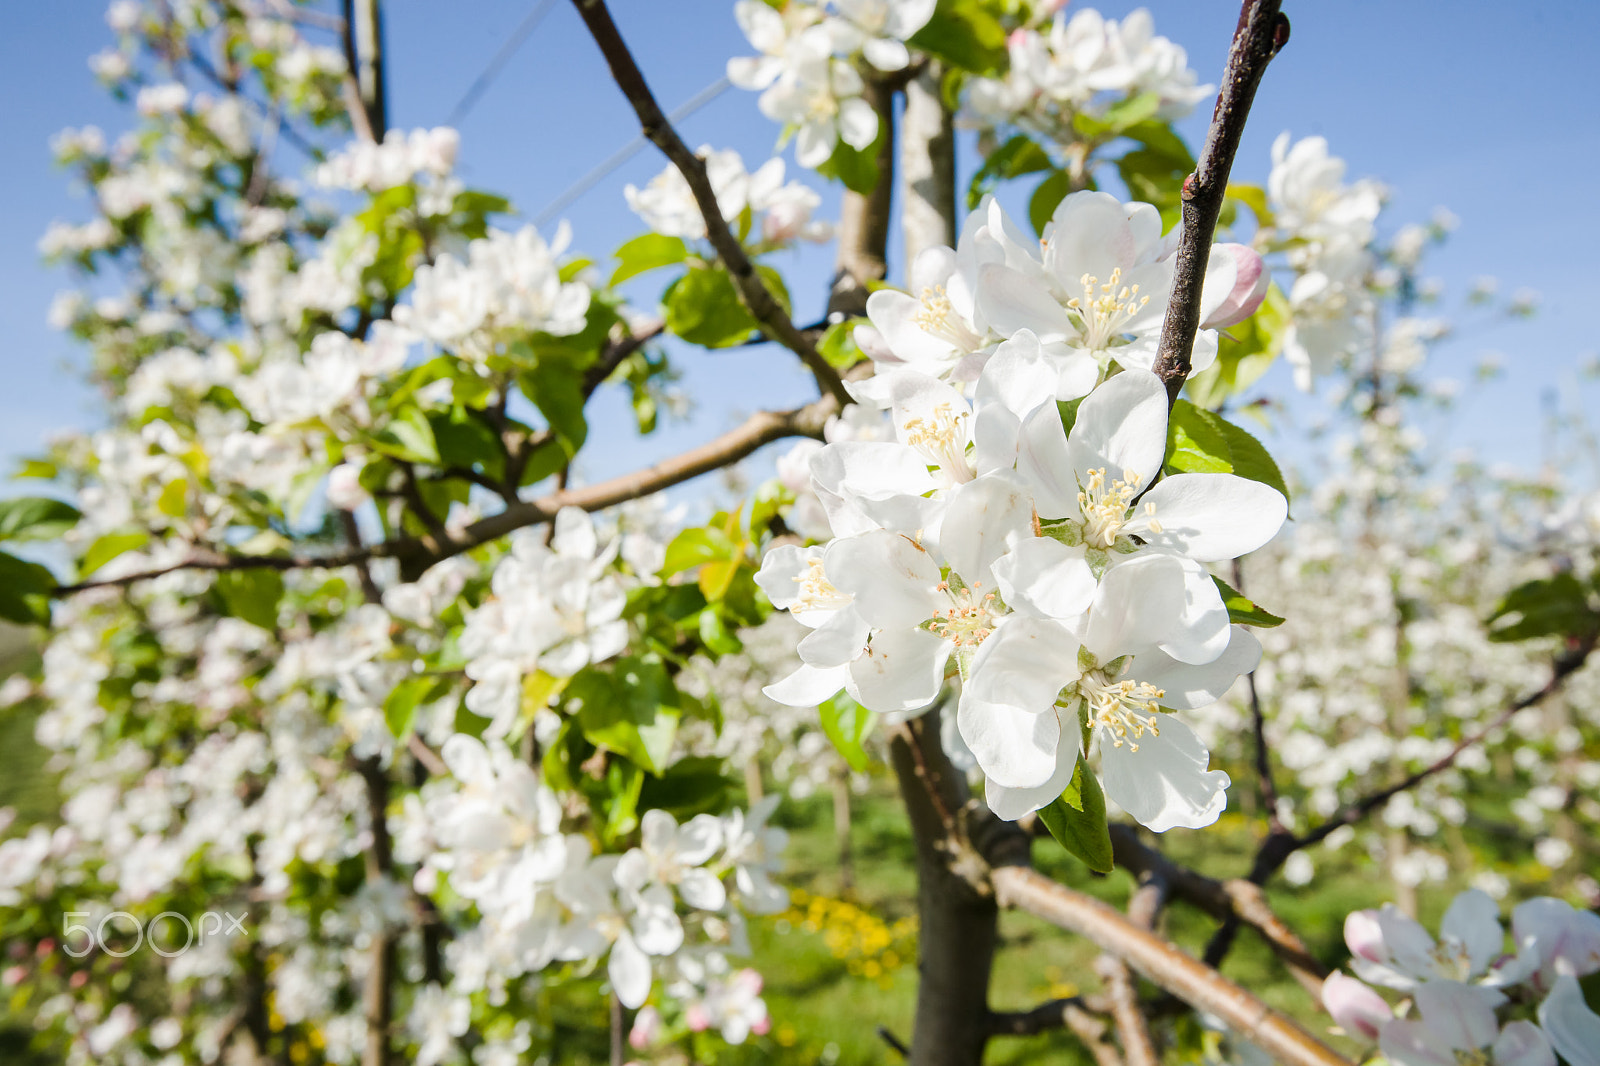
(629, 970)
(1210, 517)
(902, 670)
(1165, 784)
(1047, 579)
(893, 579)
(807, 686)
(1121, 426)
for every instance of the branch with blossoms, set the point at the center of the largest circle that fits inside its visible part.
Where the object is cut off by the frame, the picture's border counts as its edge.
(1277, 846)
(659, 130)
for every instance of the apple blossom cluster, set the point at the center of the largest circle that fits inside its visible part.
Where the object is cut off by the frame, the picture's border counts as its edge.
(1092, 291)
(399, 159)
(1084, 65)
(1472, 1000)
(781, 212)
(810, 67)
(1327, 227)
(665, 907)
(1046, 565)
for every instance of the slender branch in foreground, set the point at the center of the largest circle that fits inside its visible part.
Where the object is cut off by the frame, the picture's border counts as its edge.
(1161, 962)
(655, 125)
(1262, 31)
(760, 428)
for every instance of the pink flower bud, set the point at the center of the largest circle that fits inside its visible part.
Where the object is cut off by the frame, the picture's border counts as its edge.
(698, 1017)
(1249, 287)
(1358, 1009)
(763, 1027)
(646, 1029)
(1364, 936)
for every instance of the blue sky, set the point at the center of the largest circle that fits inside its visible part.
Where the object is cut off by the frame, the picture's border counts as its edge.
(1487, 109)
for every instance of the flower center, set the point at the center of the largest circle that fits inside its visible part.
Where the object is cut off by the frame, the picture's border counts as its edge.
(1125, 709)
(1106, 309)
(941, 437)
(816, 591)
(1451, 961)
(1105, 508)
(969, 619)
(938, 318)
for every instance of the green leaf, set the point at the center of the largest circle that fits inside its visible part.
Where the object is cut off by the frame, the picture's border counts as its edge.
(965, 35)
(1549, 607)
(1018, 156)
(648, 252)
(174, 497)
(703, 308)
(24, 591)
(466, 442)
(36, 518)
(691, 786)
(1255, 198)
(1160, 138)
(107, 547)
(252, 595)
(1202, 442)
(37, 468)
(1242, 609)
(408, 437)
(847, 724)
(697, 546)
(556, 387)
(630, 709)
(1156, 178)
(838, 344)
(1077, 819)
(715, 635)
(1047, 196)
(400, 706)
(1250, 457)
(1068, 409)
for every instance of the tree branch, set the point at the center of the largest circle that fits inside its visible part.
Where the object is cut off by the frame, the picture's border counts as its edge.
(658, 129)
(1238, 900)
(760, 428)
(1077, 1014)
(1261, 32)
(1188, 978)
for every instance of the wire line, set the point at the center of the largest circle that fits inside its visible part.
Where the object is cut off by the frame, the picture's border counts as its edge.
(497, 64)
(626, 152)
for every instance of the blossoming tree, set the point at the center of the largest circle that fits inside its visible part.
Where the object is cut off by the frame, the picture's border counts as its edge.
(346, 643)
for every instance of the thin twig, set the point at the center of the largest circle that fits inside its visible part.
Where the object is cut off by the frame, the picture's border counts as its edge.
(1262, 31)
(1266, 787)
(753, 292)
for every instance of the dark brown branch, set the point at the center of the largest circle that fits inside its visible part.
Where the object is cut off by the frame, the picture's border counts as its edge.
(1564, 667)
(1235, 900)
(753, 292)
(421, 552)
(1079, 1014)
(1262, 31)
(1277, 847)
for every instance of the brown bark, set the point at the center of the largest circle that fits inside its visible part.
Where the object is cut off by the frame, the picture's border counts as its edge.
(863, 230)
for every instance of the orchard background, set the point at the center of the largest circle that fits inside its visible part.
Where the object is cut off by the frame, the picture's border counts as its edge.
(368, 307)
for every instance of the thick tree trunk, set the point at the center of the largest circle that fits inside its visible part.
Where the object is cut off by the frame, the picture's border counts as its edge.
(927, 167)
(864, 217)
(958, 925)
